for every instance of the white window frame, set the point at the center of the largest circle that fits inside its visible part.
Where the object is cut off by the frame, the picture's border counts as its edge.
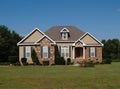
(92, 52)
(45, 51)
(64, 35)
(65, 51)
(28, 52)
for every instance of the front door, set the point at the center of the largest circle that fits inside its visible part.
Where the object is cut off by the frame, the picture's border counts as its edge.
(78, 52)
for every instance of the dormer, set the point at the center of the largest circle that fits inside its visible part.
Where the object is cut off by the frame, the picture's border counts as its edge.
(64, 34)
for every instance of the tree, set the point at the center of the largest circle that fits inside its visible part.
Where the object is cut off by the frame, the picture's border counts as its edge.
(111, 49)
(4, 43)
(8, 43)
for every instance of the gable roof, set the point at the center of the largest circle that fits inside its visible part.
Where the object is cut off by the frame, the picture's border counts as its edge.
(87, 33)
(36, 29)
(37, 42)
(64, 30)
(33, 43)
(55, 33)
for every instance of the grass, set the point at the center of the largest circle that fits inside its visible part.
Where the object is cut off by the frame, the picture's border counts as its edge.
(60, 77)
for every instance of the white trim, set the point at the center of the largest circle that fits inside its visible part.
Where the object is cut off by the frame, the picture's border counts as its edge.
(39, 40)
(42, 38)
(50, 39)
(65, 29)
(36, 29)
(92, 37)
(77, 41)
(73, 52)
(93, 45)
(92, 52)
(27, 44)
(80, 41)
(65, 50)
(28, 51)
(64, 41)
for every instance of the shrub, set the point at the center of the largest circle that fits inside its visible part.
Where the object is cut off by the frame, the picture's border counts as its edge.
(45, 62)
(108, 61)
(24, 61)
(60, 61)
(68, 61)
(13, 59)
(87, 63)
(115, 60)
(34, 57)
(4, 63)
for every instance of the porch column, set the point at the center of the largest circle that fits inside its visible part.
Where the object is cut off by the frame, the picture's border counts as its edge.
(83, 52)
(73, 52)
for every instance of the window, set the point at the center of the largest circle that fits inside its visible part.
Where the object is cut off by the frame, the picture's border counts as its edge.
(92, 51)
(65, 51)
(45, 51)
(28, 52)
(64, 35)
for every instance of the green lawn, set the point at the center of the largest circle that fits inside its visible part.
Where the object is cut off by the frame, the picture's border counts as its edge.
(60, 77)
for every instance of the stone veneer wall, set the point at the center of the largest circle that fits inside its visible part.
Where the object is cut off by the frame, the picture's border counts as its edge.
(46, 42)
(98, 57)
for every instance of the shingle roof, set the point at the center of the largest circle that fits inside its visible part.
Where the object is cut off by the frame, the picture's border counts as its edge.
(55, 34)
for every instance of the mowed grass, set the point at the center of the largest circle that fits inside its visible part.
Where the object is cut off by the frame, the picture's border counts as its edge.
(60, 77)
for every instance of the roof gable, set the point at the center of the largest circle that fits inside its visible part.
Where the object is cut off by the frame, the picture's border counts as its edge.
(89, 39)
(45, 36)
(32, 36)
(64, 30)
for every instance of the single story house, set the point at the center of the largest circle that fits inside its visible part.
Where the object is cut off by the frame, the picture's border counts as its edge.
(65, 41)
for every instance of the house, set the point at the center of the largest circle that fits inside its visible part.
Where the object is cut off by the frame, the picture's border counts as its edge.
(66, 41)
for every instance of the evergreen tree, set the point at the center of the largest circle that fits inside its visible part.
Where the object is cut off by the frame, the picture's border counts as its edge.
(8, 43)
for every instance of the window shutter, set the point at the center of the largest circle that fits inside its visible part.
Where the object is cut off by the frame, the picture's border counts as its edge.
(95, 52)
(41, 52)
(48, 52)
(60, 50)
(89, 52)
(31, 50)
(69, 51)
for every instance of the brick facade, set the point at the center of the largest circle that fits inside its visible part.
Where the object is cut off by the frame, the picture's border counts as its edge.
(45, 42)
(97, 58)
(79, 44)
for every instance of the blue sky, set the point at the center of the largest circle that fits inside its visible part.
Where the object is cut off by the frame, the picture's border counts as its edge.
(101, 18)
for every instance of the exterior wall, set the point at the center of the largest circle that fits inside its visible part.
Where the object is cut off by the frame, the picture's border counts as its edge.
(89, 40)
(65, 44)
(34, 37)
(98, 57)
(78, 44)
(22, 54)
(46, 42)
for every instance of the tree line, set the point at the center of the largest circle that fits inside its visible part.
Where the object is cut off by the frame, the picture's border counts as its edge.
(111, 49)
(9, 40)
(8, 43)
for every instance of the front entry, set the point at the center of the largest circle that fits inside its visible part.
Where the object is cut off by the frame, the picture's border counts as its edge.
(78, 52)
